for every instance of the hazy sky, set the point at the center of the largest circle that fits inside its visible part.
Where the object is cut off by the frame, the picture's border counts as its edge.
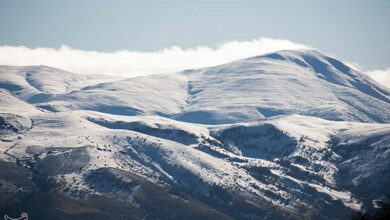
(356, 31)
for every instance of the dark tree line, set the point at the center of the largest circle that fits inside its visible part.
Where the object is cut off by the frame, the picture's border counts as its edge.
(383, 213)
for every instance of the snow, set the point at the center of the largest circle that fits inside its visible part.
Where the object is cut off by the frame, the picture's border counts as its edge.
(295, 132)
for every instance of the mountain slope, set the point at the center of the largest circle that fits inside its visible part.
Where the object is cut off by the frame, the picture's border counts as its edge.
(36, 84)
(299, 82)
(293, 166)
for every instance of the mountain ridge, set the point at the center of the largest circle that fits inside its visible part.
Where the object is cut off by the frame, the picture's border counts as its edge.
(286, 76)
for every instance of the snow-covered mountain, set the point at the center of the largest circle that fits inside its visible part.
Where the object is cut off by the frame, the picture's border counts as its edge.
(291, 134)
(287, 82)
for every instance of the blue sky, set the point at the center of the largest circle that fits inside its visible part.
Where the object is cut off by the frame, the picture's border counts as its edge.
(353, 30)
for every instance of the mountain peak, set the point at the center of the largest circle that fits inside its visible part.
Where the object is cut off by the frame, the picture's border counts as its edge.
(305, 58)
(324, 67)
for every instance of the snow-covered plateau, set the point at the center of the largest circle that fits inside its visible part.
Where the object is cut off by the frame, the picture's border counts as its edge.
(286, 135)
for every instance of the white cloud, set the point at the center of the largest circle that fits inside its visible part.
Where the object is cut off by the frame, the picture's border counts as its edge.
(173, 59)
(381, 76)
(135, 63)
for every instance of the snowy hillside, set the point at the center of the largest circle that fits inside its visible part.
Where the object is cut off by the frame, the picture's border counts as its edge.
(287, 135)
(287, 82)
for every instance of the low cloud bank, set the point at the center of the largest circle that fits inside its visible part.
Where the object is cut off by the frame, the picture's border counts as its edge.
(381, 76)
(135, 63)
